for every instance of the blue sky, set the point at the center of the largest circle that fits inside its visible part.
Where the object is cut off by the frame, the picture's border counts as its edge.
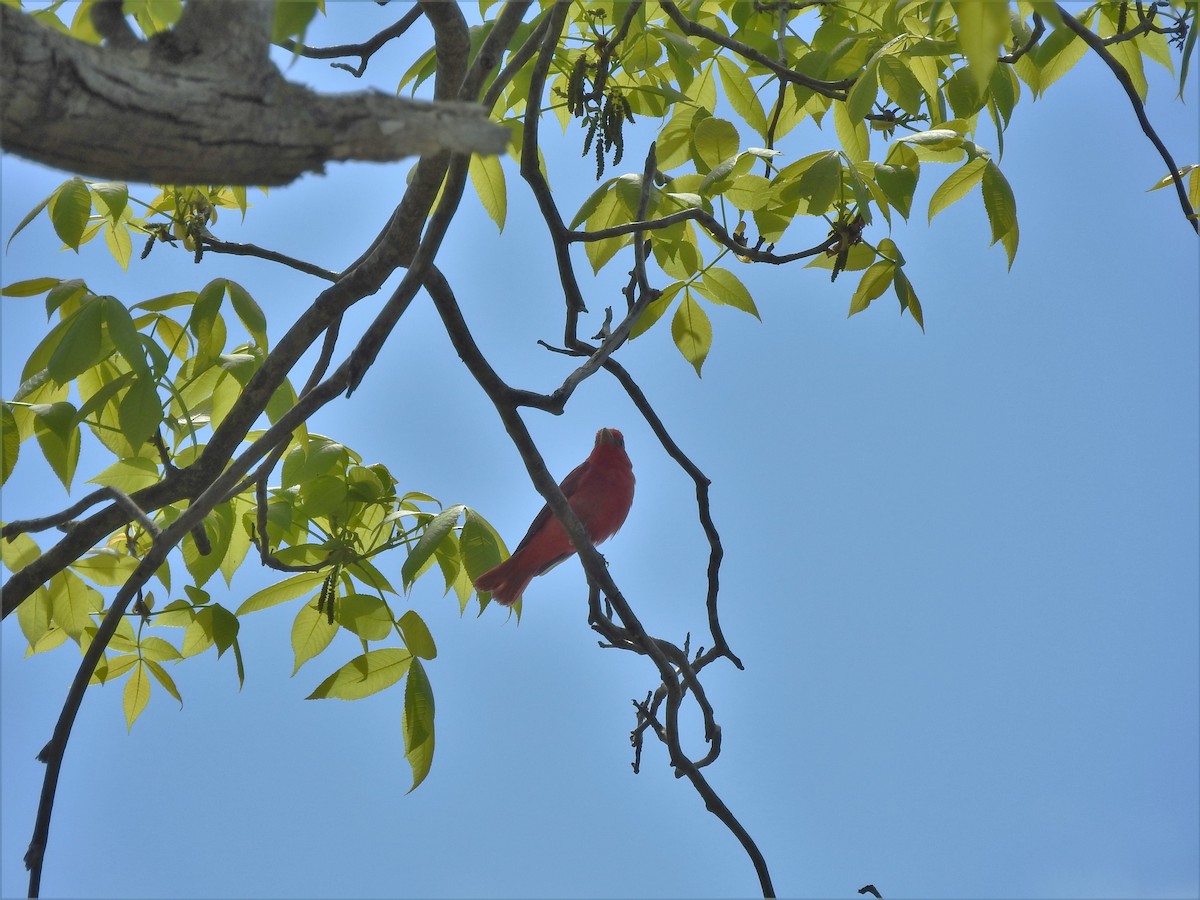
(961, 566)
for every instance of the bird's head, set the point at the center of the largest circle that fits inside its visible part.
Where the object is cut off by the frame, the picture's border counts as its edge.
(610, 436)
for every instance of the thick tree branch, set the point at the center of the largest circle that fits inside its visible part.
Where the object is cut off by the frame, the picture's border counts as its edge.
(1139, 109)
(194, 119)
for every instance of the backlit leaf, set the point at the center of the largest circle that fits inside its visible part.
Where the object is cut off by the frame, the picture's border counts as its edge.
(691, 331)
(311, 633)
(365, 675)
(416, 635)
(137, 694)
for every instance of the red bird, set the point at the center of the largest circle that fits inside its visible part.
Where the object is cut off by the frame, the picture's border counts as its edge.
(600, 491)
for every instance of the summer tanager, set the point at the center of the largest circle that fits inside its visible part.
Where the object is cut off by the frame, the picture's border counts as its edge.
(600, 490)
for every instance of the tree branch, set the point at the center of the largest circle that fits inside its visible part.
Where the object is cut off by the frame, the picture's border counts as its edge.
(195, 119)
(1139, 109)
(363, 51)
(835, 90)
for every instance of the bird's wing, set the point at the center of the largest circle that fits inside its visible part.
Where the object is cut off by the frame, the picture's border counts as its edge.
(569, 486)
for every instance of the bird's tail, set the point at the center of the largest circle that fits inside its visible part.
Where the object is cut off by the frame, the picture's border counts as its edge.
(507, 581)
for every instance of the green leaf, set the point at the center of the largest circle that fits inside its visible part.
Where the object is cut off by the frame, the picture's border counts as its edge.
(249, 313)
(852, 133)
(70, 207)
(749, 192)
(862, 95)
(741, 96)
(983, 29)
(161, 676)
(416, 635)
(654, 311)
(29, 217)
(898, 184)
(114, 195)
(288, 589)
(365, 615)
(30, 288)
(958, 185)
(365, 675)
(722, 286)
(938, 139)
(1001, 208)
(124, 335)
(691, 331)
(311, 633)
(487, 177)
(139, 412)
(874, 282)
(417, 724)
(72, 602)
(479, 544)
(821, 183)
(714, 141)
(81, 345)
(128, 475)
(908, 298)
(900, 84)
(137, 694)
(292, 19)
(10, 442)
(437, 529)
(225, 627)
(58, 436)
(198, 635)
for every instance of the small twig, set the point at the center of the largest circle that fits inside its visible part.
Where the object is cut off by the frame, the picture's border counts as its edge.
(216, 245)
(711, 225)
(835, 90)
(1139, 109)
(363, 51)
(62, 519)
(1039, 28)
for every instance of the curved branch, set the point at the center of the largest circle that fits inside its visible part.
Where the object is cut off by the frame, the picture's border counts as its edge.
(363, 51)
(835, 90)
(711, 225)
(1139, 109)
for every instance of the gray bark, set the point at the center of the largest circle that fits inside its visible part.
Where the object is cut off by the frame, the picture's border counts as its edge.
(203, 104)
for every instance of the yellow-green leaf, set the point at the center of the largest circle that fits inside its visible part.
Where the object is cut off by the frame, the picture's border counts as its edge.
(722, 286)
(365, 615)
(10, 442)
(1001, 208)
(70, 207)
(958, 185)
(288, 589)
(365, 675)
(852, 133)
(311, 633)
(691, 331)
(416, 635)
(741, 96)
(417, 725)
(137, 694)
(714, 141)
(487, 177)
(873, 283)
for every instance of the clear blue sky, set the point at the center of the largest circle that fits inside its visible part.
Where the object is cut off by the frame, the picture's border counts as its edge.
(961, 567)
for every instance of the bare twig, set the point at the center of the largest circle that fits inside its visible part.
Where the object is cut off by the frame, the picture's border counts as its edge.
(363, 51)
(63, 520)
(1039, 28)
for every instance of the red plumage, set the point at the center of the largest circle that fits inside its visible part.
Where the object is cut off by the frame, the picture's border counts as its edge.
(600, 491)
